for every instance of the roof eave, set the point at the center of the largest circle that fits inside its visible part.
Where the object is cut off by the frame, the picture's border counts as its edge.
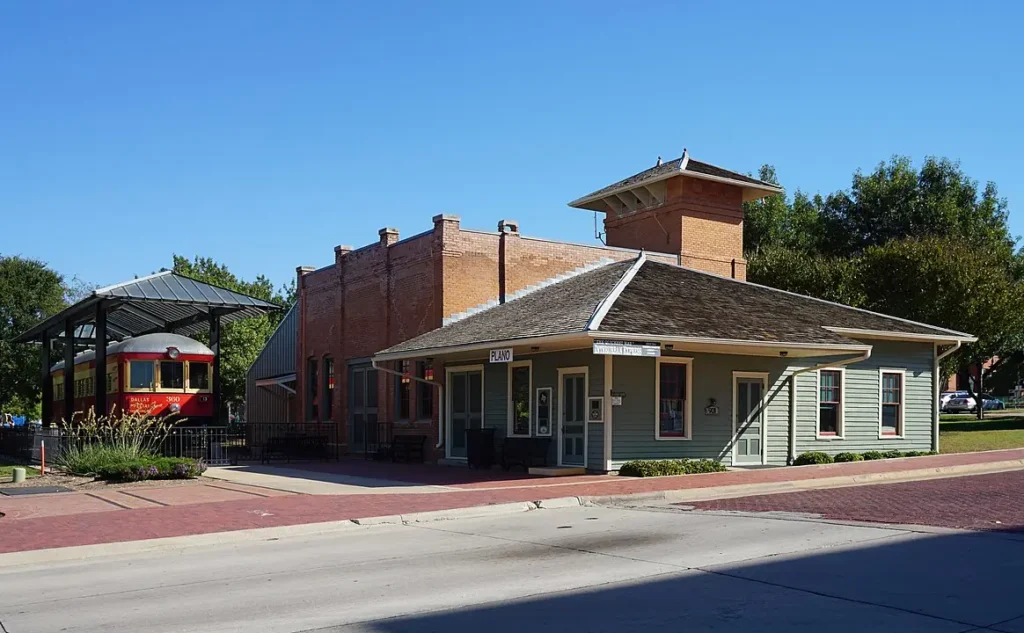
(589, 199)
(700, 340)
(475, 347)
(903, 336)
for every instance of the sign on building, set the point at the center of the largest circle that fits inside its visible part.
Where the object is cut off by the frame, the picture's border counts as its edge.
(626, 348)
(501, 355)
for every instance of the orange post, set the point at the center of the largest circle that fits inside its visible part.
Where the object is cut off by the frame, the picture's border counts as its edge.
(42, 457)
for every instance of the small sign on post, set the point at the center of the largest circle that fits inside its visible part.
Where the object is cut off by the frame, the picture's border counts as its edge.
(501, 355)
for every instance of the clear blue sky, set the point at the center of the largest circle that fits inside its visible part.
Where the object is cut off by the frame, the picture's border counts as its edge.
(262, 134)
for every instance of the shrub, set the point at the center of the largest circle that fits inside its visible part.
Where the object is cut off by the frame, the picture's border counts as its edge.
(812, 457)
(152, 468)
(664, 467)
(919, 453)
(892, 454)
(869, 455)
(848, 457)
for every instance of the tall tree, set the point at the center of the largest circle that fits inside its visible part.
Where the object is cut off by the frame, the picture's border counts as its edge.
(29, 293)
(241, 341)
(949, 282)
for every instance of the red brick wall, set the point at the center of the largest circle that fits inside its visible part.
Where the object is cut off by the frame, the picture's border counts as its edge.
(701, 220)
(391, 291)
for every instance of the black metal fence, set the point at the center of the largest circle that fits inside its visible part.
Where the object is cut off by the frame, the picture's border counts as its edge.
(215, 445)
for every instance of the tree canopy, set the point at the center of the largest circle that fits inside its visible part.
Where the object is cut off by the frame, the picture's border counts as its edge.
(29, 293)
(241, 341)
(924, 244)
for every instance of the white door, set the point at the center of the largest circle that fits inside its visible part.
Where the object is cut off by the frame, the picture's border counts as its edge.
(748, 419)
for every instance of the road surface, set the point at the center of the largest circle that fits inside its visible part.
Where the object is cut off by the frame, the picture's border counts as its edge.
(591, 569)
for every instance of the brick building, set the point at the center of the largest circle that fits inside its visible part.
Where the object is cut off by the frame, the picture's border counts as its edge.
(371, 298)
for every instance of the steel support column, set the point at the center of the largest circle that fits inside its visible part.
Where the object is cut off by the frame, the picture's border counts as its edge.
(69, 369)
(47, 382)
(100, 373)
(215, 346)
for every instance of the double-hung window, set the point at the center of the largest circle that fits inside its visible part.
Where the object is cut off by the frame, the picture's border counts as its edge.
(891, 415)
(673, 400)
(830, 402)
(519, 389)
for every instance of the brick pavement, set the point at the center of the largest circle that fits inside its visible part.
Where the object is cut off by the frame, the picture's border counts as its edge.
(251, 511)
(976, 502)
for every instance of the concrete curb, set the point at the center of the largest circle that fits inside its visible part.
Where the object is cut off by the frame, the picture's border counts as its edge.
(748, 490)
(79, 552)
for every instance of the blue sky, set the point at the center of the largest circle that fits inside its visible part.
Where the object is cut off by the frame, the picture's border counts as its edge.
(262, 134)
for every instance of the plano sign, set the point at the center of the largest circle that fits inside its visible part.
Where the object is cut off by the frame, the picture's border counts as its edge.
(626, 348)
(501, 355)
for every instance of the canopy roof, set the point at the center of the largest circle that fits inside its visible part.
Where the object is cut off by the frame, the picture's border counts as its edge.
(163, 302)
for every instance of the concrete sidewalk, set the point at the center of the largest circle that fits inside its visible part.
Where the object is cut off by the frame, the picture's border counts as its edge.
(297, 509)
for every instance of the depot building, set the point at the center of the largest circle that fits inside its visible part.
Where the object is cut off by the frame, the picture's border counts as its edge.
(586, 356)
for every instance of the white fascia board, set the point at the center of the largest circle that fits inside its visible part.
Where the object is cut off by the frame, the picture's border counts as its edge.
(902, 336)
(606, 304)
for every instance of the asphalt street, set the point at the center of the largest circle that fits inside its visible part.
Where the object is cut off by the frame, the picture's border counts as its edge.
(575, 569)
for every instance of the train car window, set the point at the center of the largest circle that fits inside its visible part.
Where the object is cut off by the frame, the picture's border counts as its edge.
(141, 372)
(172, 374)
(198, 375)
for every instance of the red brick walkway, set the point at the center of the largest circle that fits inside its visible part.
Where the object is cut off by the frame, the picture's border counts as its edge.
(250, 511)
(978, 502)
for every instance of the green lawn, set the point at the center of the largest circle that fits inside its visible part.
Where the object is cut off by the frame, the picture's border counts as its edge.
(965, 434)
(6, 469)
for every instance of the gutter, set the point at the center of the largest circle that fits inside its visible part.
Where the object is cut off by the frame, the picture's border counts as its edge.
(440, 403)
(938, 391)
(792, 394)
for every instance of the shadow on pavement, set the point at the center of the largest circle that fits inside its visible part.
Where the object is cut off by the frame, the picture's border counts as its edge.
(951, 583)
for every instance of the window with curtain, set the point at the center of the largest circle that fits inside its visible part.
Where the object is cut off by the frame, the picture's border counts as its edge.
(672, 399)
(830, 400)
(892, 403)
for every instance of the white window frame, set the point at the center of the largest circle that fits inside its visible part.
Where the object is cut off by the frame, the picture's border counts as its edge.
(901, 423)
(529, 397)
(688, 423)
(841, 421)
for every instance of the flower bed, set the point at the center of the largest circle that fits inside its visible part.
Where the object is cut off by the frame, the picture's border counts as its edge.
(146, 468)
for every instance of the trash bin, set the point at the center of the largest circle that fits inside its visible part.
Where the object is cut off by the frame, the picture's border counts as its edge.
(480, 448)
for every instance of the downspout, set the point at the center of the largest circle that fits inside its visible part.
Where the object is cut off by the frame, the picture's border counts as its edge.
(938, 391)
(792, 394)
(440, 402)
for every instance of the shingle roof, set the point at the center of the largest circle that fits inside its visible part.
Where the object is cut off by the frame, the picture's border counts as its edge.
(560, 308)
(663, 300)
(663, 170)
(700, 305)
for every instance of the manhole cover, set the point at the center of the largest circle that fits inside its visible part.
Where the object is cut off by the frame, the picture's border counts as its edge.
(33, 490)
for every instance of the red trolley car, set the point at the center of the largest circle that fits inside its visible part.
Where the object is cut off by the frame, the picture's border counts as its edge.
(157, 374)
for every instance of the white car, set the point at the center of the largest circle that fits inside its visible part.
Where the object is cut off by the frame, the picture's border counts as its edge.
(947, 396)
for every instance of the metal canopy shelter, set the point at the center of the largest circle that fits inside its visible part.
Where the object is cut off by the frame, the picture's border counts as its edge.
(163, 302)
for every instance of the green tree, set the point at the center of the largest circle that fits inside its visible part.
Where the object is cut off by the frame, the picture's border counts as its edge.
(29, 293)
(949, 282)
(241, 341)
(831, 278)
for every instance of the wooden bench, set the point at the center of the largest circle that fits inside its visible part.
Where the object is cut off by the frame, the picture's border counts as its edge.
(407, 447)
(525, 452)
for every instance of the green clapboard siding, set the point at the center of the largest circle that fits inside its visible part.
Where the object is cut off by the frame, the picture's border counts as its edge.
(544, 372)
(595, 446)
(861, 402)
(633, 423)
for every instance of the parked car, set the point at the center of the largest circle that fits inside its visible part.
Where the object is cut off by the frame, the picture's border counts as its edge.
(963, 402)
